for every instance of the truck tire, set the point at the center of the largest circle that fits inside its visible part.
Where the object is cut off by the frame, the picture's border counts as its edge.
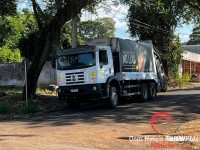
(152, 91)
(144, 93)
(73, 104)
(113, 97)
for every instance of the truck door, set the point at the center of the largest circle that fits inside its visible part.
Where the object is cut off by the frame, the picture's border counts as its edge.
(105, 63)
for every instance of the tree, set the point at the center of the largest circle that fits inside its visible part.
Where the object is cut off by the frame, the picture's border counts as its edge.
(195, 4)
(66, 37)
(8, 7)
(88, 30)
(99, 28)
(195, 36)
(49, 22)
(157, 21)
(13, 29)
(9, 56)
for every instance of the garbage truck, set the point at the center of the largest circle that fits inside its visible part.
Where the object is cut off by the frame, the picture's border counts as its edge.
(109, 69)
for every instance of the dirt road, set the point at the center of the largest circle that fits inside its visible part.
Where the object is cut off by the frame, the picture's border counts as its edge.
(97, 127)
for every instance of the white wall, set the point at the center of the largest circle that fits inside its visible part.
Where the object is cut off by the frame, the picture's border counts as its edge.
(13, 75)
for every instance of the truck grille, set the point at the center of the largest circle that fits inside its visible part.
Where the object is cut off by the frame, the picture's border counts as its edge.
(75, 78)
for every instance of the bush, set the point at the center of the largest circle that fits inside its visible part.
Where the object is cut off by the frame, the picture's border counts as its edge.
(4, 108)
(186, 77)
(183, 80)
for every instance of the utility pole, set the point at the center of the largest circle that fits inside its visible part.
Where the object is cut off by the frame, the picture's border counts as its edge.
(25, 67)
(74, 32)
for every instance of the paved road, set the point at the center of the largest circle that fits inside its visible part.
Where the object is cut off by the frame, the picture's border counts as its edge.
(97, 127)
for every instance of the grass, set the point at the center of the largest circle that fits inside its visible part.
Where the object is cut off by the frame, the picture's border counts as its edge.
(30, 109)
(45, 91)
(5, 108)
(12, 102)
(10, 96)
(11, 90)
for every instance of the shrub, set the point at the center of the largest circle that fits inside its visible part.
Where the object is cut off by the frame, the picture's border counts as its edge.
(183, 80)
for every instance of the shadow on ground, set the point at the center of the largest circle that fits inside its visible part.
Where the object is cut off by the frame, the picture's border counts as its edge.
(182, 105)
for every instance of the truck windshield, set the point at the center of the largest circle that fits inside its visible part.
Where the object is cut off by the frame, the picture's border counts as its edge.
(76, 61)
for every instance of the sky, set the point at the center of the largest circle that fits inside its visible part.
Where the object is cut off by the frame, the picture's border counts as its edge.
(118, 13)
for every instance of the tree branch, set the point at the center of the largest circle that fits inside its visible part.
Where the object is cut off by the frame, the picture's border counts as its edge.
(193, 6)
(39, 9)
(69, 11)
(34, 4)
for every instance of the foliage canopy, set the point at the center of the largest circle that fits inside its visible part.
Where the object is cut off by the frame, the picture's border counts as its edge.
(99, 28)
(195, 36)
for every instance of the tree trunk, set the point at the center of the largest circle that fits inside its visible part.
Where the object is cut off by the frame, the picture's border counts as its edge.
(165, 66)
(40, 56)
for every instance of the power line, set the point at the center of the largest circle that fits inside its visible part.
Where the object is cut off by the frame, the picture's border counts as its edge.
(137, 22)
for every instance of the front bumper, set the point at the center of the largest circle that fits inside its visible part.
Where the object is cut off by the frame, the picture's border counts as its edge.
(84, 91)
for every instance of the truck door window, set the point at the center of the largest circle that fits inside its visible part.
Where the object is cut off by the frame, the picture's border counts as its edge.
(103, 57)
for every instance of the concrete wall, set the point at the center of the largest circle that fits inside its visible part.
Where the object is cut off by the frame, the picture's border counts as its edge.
(13, 75)
(48, 75)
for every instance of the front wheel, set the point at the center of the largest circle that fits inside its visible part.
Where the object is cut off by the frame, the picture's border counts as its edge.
(113, 97)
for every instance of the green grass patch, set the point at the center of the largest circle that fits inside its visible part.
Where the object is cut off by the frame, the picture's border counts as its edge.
(11, 101)
(30, 109)
(11, 90)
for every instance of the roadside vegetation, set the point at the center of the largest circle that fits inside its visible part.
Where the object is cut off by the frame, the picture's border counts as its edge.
(180, 83)
(11, 102)
(25, 32)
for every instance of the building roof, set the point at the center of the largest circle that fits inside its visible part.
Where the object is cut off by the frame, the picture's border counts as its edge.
(194, 57)
(192, 48)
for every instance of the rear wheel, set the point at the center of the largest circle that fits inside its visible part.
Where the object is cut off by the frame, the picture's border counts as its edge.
(152, 91)
(144, 93)
(73, 104)
(113, 97)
